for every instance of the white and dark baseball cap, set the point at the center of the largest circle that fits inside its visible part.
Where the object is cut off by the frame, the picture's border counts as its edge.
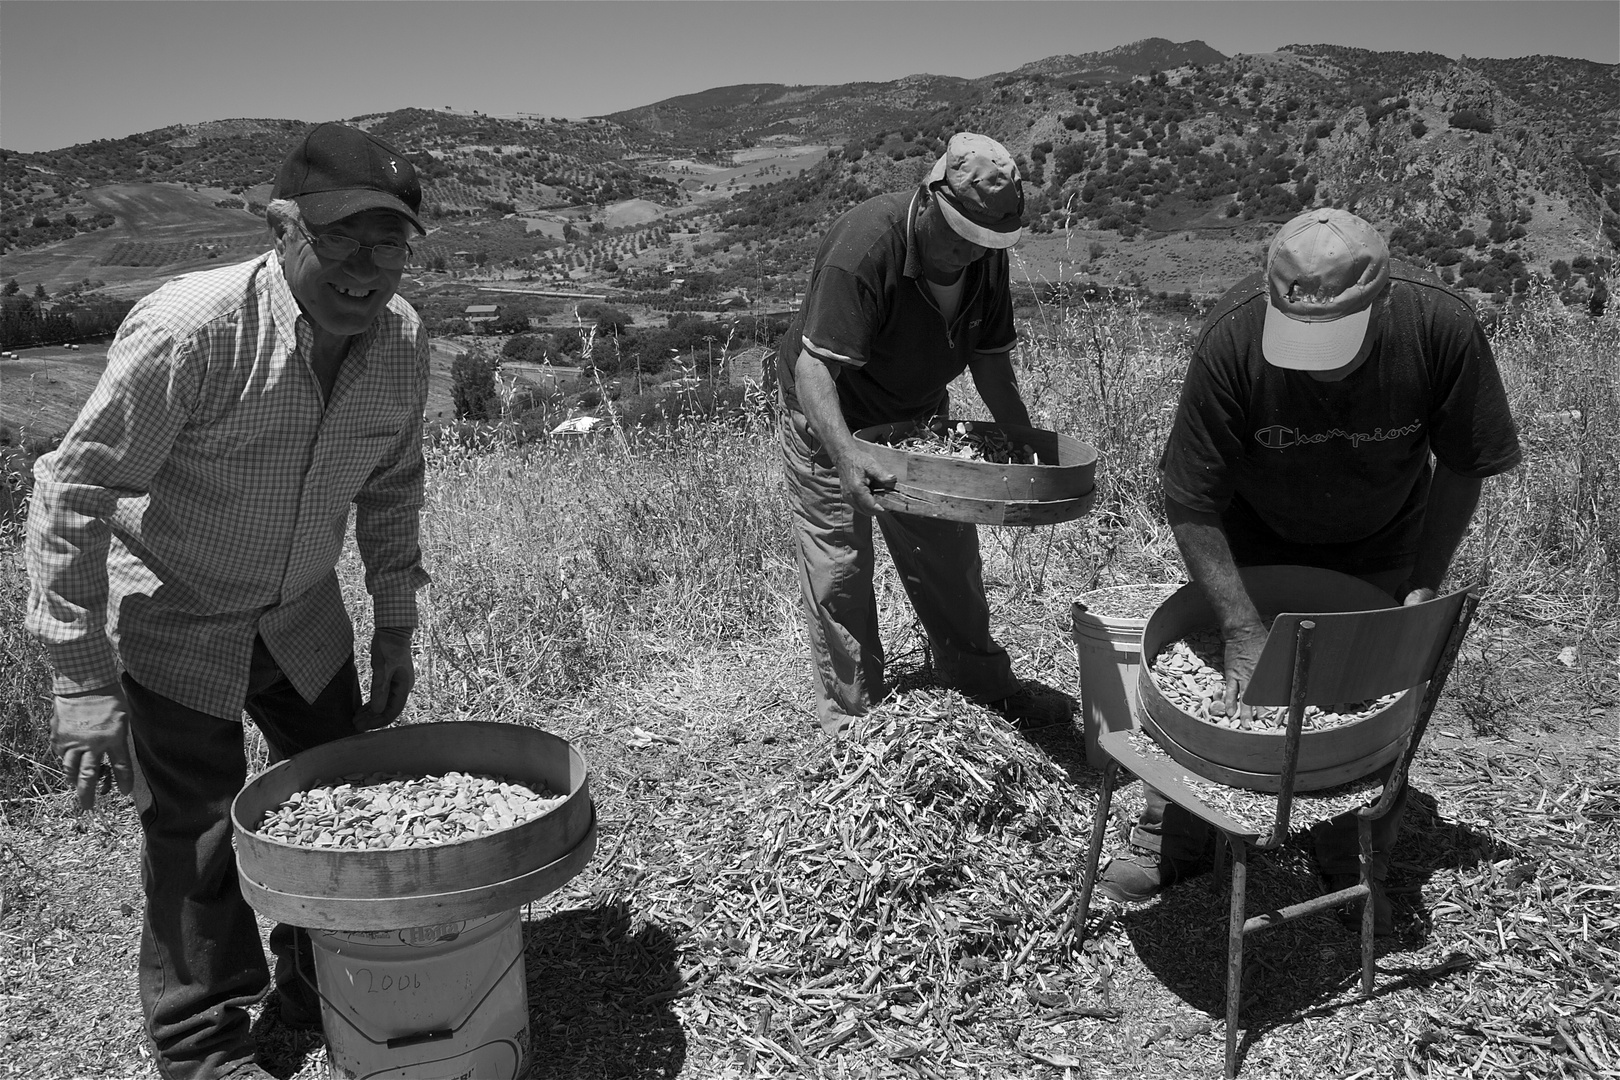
(336, 171)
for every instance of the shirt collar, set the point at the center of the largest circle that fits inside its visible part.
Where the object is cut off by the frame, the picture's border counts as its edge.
(913, 268)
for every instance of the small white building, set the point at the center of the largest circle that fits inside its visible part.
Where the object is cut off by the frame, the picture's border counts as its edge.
(480, 317)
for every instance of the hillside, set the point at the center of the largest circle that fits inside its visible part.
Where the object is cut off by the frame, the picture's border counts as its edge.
(1157, 166)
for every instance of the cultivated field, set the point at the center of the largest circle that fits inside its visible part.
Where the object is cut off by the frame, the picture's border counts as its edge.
(769, 902)
(155, 222)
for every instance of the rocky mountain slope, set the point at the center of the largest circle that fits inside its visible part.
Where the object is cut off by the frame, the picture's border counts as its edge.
(1492, 171)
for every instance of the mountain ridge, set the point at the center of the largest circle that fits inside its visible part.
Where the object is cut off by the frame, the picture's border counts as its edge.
(1493, 170)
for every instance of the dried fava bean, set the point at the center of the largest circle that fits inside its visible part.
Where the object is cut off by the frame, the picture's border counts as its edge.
(1190, 673)
(962, 441)
(372, 811)
(1126, 601)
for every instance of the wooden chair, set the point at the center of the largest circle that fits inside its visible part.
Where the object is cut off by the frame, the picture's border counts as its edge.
(1307, 660)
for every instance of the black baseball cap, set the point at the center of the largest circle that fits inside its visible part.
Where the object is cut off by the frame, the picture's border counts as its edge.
(336, 171)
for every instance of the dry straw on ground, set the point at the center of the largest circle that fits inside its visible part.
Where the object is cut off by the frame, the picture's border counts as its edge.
(768, 902)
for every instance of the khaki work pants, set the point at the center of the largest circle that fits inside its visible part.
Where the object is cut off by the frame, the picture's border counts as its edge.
(938, 563)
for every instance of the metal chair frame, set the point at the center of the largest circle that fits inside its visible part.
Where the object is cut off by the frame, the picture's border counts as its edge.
(1240, 839)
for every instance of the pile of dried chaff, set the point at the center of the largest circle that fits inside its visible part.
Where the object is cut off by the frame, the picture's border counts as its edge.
(892, 901)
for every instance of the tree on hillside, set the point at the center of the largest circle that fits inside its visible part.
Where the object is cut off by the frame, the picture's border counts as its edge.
(40, 293)
(12, 288)
(472, 388)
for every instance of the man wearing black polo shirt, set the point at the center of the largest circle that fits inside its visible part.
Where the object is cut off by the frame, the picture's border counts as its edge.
(908, 290)
(1319, 391)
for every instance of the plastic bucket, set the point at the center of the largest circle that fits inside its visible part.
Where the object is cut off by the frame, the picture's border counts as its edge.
(439, 1002)
(1110, 652)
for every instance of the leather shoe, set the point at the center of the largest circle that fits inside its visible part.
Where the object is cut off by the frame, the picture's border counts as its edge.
(1033, 706)
(1139, 874)
(298, 1012)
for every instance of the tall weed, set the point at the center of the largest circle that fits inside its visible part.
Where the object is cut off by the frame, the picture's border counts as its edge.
(560, 567)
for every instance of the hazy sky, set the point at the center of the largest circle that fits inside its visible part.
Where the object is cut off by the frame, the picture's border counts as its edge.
(73, 71)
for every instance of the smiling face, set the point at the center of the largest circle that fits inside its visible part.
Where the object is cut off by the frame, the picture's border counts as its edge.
(945, 253)
(343, 297)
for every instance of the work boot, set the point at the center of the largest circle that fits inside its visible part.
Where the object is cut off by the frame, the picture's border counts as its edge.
(1139, 874)
(1034, 706)
(1350, 914)
(298, 1012)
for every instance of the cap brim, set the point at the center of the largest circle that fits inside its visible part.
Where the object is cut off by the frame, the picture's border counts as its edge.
(324, 207)
(978, 234)
(1313, 346)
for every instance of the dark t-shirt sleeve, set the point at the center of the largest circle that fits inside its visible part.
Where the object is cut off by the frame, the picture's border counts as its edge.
(841, 316)
(1208, 433)
(1471, 430)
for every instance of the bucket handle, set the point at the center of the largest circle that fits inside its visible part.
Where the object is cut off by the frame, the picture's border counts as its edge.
(398, 1041)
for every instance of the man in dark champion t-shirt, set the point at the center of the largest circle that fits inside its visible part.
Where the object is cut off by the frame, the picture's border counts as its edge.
(908, 291)
(1319, 390)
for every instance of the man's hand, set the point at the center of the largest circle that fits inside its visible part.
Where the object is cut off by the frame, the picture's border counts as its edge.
(1243, 647)
(859, 474)
(393, 674)
(1418, 596)
(87, 729)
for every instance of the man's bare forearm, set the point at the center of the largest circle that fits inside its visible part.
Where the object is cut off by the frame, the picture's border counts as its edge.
(818, 397)
(1452, 501)
(993, 378)
(1208, 555)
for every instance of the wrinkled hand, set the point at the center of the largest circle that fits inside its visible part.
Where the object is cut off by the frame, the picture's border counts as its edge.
(859, 474)
(1242, 652)
(87, 729)
(393, 674)
(1418, 596)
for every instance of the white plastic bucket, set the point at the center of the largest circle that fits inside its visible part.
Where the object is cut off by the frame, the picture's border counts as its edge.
(1110, 652)
(445, 1002)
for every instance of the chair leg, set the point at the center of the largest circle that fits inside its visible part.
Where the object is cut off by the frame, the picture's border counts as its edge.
(1234, 952)
(1099, 829)
(1364, 837)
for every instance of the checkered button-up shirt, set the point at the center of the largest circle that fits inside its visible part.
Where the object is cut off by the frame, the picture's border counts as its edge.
(202, 495)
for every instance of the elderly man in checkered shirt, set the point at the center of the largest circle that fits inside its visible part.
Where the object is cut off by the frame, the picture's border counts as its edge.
(182, 545)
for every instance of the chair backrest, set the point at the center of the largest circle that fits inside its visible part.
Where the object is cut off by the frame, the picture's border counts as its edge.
(1356, 655)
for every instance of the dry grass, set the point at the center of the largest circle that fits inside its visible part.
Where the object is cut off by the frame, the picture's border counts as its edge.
(767, 902)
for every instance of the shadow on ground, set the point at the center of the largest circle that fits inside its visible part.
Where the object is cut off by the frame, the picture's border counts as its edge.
(1301, 966)
(599, 996)
(599, 991)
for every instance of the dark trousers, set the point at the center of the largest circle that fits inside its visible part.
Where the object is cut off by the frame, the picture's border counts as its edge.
(201, 961)
(1169, 830)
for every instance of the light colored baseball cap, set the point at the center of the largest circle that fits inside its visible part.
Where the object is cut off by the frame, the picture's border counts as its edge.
(1325, 270)
(979, 192)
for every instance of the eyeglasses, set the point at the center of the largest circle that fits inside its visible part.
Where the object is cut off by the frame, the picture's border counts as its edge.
(339, 248)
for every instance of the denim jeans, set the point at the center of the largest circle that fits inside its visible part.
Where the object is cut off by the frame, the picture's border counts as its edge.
(201, 961)
(939, 565)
